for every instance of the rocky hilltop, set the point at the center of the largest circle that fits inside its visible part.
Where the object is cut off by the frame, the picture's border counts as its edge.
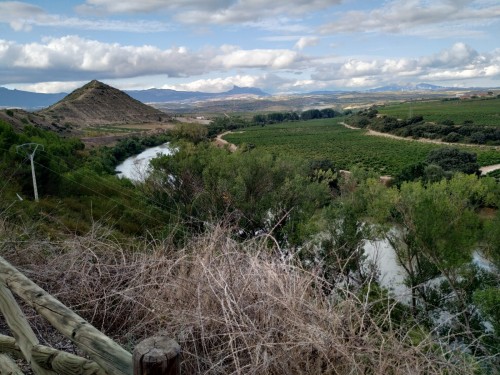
(97, 104)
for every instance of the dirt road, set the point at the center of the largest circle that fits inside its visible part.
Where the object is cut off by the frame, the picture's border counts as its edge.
(484, 170)
(223, 143)
(422, 140)
(489, 168)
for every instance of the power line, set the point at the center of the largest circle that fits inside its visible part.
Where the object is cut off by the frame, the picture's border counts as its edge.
(103, 182)
(34, 147)
(110, 198)
(11, 176)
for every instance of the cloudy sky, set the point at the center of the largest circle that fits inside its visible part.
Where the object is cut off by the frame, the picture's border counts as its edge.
(278, 45)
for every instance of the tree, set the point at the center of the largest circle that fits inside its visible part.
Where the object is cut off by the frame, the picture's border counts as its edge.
(259, 119)
(192, 132)
(414, 119)
(275, 117)
(256, 190)
(452, 137)
(329, 113)
(311, 114)
(438, 233)
(434, 173)
(455, 160)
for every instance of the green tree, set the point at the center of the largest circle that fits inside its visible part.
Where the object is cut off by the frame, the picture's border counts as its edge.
(257, 191)
(192, 132)
(437, 235)
(455, 160)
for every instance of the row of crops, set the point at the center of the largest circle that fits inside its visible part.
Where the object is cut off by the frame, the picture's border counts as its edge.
(461, 111)
(327, 139)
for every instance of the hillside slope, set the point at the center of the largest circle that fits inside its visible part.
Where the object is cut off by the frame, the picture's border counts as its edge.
(97, 103)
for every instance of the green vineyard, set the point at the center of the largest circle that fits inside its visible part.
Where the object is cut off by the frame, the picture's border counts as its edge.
(466, 111)
(327, 139)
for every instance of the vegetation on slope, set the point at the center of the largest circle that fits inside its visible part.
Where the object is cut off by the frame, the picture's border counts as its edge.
(255, 261)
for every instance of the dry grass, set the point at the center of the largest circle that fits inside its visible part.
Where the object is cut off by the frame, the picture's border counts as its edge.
(234, 309)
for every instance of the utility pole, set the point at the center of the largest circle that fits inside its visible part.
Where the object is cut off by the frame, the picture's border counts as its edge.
(27, 147)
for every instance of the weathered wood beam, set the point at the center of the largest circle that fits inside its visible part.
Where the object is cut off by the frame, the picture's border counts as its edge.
(20, 328)
(8, 345)
(108, 354)
(52, 359)
(65, 363)
(8, 366)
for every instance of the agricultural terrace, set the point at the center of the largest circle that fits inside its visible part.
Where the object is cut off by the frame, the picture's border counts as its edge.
(328, 139)
(460, 111)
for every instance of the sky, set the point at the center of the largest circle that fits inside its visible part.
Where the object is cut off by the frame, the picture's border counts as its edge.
(280, 46)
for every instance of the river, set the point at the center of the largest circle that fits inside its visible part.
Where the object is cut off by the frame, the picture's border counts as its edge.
(136, 167)
(379, 252)
(392, 274)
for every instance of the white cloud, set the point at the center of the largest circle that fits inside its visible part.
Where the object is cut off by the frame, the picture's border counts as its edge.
(216, 85)
(147, 6)
(460, 61)
(52, 87)
(258, 58)
(16, 14)
(266, 82)
(459, 54)
(213, 11)
(306, 41)
(22, 17)
(415, 16)
(83, 59)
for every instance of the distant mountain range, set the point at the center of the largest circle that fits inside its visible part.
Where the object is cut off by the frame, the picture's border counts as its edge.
(33, 100)
(36, 101)
(410, 87)
(27, 99)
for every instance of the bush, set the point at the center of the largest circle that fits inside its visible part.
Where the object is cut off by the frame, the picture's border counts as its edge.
(455, 160)
(447, 122)
(414, 119)
(235, 310)
(452, 137)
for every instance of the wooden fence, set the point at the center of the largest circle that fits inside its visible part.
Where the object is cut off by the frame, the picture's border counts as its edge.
(157, 355)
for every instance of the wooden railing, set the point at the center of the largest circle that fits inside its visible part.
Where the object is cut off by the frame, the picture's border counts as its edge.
(157, 355)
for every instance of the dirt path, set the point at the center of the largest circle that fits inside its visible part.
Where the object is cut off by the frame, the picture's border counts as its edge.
(223, 143)
(489, 168)
(484, 170)
(349, 126)
(421, 140)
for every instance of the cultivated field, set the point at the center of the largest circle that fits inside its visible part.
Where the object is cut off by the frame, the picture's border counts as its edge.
(328, 139)
(479, 111)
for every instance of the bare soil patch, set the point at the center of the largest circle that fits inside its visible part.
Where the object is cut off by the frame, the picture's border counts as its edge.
(219, 142)
(489, 168)
(422, 140)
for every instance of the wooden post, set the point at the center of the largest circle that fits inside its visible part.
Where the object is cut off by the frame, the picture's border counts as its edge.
(157, 355)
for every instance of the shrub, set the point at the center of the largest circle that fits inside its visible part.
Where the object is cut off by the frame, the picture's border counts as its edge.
(447, 122)
(452, 137)
(235, 309)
